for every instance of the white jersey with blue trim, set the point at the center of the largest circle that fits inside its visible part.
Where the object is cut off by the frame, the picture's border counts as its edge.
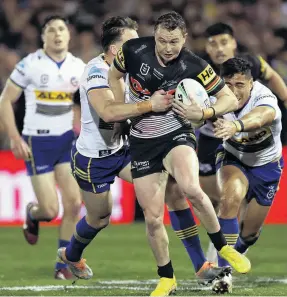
(263, 145)
(95, 139)
(49, 88)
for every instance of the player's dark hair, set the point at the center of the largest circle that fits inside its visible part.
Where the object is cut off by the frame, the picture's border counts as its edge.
(218, 28)
(53, 18)
(235, 66)
(113, 29)
(171, 21)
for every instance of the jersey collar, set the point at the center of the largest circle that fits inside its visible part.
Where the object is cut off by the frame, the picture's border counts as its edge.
(59, 64)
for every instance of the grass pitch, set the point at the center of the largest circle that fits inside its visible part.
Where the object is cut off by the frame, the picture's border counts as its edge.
(123, 265)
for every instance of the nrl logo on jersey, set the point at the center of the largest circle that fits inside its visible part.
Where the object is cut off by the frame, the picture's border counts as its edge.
(144, 69)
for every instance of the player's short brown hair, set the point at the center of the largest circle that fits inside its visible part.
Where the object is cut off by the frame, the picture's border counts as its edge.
(171, 21)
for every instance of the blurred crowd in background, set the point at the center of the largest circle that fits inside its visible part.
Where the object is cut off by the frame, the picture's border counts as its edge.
(260, 27)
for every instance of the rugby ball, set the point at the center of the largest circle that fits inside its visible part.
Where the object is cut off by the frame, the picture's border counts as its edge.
(190, 87)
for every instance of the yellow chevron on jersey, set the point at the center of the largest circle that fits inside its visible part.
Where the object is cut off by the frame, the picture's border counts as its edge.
(53, 96)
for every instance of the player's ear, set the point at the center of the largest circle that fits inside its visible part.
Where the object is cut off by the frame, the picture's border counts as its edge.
(42, 38)
(185, 36)
(113, 49)
(250, 83)
(235, 44)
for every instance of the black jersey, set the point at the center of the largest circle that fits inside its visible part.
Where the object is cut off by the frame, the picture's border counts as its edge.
(137, 58)
(258, 65)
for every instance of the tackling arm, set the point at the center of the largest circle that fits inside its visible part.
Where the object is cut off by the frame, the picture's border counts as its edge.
(257, 118)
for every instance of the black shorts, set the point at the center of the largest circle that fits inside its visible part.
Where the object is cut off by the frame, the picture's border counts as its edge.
(207, 147)
(147, 154)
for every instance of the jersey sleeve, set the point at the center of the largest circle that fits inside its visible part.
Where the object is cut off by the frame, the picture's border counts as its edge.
(120, 61)
(20, 74)
(208, 78)
(96, 78)
(267, 99)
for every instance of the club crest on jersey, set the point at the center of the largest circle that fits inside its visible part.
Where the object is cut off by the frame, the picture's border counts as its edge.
(74, 81)
(44, 79)
(144, 69)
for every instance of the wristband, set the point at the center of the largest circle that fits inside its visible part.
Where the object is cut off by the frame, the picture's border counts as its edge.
(208, 113)
(144, 107)
(239, 125)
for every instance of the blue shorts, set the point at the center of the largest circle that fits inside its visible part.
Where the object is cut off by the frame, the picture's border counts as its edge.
(97, 174)
(48, 151)
(263, 180)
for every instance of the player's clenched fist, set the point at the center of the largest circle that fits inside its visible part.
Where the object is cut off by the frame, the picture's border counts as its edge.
(161, 101)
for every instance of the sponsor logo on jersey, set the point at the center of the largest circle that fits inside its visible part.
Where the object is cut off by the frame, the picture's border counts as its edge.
(180, 137)
(253, 138)
(95, 73)
(54, 96)
(167, 84)
(157, 74)
(263, 97)
(140, 48)
(207, 75)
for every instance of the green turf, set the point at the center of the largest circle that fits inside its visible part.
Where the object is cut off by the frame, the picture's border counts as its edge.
(121, 253)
